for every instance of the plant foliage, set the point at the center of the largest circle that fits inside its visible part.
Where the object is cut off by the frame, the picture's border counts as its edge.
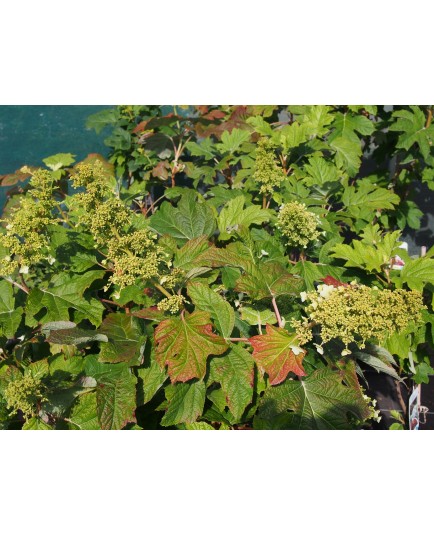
(228, 267)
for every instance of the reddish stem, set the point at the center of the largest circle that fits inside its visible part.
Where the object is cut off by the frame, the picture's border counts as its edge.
(276, 311)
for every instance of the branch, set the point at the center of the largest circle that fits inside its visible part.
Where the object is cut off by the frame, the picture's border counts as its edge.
(162, 290)
(237, 339)
(12, 282)
(429, 118)
(276, 312)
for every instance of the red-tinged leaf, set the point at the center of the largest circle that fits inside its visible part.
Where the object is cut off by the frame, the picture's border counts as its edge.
(214, 114)
(161, 170)
(116, 398)
(202, 108)
(184, 344)
(186, 257)
(149, 313)
(237, 119)
(329, 280)
(268, 280)
(278, 354)
(219, 257)
(140, 127)
(13, 178)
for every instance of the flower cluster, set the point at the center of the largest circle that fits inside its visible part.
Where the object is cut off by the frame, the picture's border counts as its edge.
(175, 277)
(268, 174)
(108, 218)
(356, 313)
(131, 254)
(297, 224)
(134, 255)
(26, 239)
(172, 304)
(372, 403)
(92, 178)
(25, 394)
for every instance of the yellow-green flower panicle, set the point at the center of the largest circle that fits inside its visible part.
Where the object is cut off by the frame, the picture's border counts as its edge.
(267, 173)
(25, 394)
(357, 313)
(134, 256)
(298, 225)
(173, 304)
(26, 236)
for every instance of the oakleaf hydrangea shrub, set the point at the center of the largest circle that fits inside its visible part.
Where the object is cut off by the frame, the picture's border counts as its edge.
(228, 267)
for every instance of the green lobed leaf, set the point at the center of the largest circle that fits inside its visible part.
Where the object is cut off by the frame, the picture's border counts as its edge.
(100, 120)
(320, 172)
(257, 316)
(412, 126)
(423, 372)
(345, 125)
(417, 273)
(260, 125)
(292, 136)
(84, 412)
(36, 423)
(199, 426)
(59, 161)
(317, 120)
(186, 403)
(10, 315)
(150, 380)
(190, 219)
(233, 216)
(65, 294)
(309, 273)
(186, 257)
(268, 280)
(319, 402)
(205, 299)
(347, 155)
(65, 365)
(205, 148)
(231, 142)
(234, 372)
(370, 196)
(125, 339)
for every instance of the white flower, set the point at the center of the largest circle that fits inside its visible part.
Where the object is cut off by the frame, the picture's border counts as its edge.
(51, 260)
(346, 352)
(24, 270)
(296, 349)
(303, 296)
(325, 290)
(319, 348)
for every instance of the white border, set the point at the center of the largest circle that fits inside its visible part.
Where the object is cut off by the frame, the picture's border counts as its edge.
(227, 52)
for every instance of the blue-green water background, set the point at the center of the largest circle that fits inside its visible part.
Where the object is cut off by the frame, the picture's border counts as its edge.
(30, 133)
